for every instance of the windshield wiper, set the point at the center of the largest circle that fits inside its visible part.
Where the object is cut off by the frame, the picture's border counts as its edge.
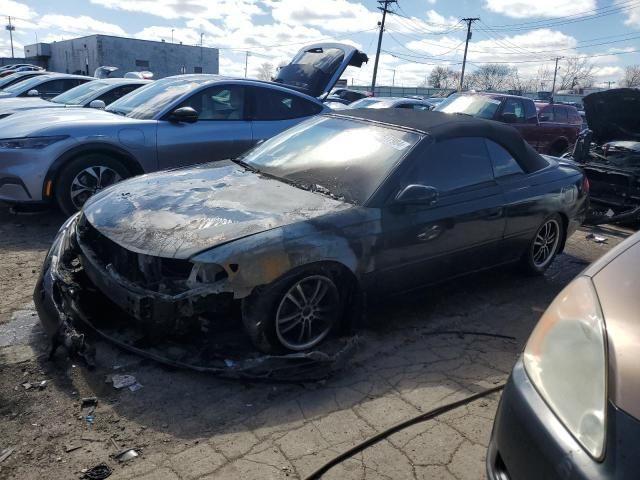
(245, 165)
(325, 191)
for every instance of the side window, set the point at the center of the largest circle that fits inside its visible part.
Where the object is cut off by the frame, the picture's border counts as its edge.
(530, 112)
(546, 114)
(52, 87)
(405, 105)
(222, 102)
(513, 106)
(273, 104)
(114, 94)
(453, 164)
(560, 114)
(503, 162)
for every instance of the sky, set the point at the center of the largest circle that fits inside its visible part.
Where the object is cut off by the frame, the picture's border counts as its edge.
(526, 34)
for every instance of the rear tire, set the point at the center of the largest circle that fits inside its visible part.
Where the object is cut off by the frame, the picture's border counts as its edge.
(294, 313)
(544, 246)
(85, 175)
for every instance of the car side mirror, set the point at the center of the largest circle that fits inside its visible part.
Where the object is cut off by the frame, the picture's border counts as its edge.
(33, 93)
(417, 194)
(99, 104)
(184, 115)
(509, 118)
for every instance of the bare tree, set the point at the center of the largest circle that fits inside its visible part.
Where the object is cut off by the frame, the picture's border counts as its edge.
(265, 71)
(575, 72)
(631, 76)
(516, 82)
(443, 77)
(491, 76)
(543, 79)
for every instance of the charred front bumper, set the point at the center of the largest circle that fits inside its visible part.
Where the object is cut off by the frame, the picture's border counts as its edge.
(80, 295)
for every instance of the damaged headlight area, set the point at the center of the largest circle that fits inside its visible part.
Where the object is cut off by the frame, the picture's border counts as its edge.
(176, 312)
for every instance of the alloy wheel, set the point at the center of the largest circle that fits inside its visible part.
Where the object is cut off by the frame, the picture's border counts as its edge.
(90, 181)
(307, 312)
(546, 243)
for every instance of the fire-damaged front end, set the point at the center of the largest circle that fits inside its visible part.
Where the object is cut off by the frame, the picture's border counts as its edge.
(175, 302)
(610, 154)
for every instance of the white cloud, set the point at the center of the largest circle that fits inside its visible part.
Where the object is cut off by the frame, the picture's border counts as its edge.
(632, 14)
(173, 9)
(80, 25)
(16, 9)
(539, 8)
(330, 15)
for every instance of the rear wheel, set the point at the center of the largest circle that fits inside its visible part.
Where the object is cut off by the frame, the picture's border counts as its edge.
(85, 176)
(544, 246)
(294, 313)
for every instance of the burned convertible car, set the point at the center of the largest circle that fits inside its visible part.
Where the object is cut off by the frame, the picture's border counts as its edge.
(302, 228)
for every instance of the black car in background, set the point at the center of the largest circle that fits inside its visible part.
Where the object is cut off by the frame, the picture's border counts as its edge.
(341, 206)
(346, 96)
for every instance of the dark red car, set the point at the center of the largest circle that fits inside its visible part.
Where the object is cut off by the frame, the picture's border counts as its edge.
(545, 134)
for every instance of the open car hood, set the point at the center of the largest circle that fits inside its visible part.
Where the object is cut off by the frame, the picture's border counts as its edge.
(613, 114)
(316, 68)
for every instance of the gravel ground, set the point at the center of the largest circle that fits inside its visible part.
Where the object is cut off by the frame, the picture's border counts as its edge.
(187, 425)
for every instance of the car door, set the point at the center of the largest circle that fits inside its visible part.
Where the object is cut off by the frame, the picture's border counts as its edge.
(274, 110)
(522, 194)
(514, 112)
(461, 231)
(221, 131)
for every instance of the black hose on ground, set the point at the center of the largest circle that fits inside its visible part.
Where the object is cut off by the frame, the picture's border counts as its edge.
(423, 417)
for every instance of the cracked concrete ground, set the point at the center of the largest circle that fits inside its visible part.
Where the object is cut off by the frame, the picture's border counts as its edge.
(194, 426)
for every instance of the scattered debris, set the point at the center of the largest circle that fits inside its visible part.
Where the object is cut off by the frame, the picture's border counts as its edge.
(597, 238)
(126, 455)
(229, 363)
(4, 454)
(89, 419)
(89, 437)
(70, 448)
(88, 402)
(43, 384)
(99, 472)
(27, 385)
(121, 381)
(135, 387)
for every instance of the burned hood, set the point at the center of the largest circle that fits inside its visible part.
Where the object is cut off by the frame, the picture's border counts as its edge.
(613, 114)
(182, 212)
(315, 69)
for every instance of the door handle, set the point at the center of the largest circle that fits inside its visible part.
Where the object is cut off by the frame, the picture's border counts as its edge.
(430, 233)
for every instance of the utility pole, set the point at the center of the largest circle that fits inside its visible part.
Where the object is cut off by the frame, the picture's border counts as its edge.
(466, 46)
(393, 80)
(172, 34)
(246, 63)
(11, 29)
(609, 83)
(384, 8)
(555, 74)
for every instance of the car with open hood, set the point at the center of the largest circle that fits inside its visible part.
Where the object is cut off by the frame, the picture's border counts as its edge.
(610, 154)
(43, 86)
(66, 155)
(571, 407)
(95, 94)
(344, 207)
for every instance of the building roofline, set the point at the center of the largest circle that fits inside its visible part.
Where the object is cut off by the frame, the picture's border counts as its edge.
(124, 38)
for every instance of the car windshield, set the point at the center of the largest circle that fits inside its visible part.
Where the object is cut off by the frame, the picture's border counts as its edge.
(80, 94)
(366, 103)
(146, 102)
(480, 106)
(13, 78)
(26, 85)
(345, 158)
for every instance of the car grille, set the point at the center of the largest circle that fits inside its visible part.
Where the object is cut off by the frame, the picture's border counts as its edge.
(150, 272)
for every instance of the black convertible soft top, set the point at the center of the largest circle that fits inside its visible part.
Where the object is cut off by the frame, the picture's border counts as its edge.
(441, 126)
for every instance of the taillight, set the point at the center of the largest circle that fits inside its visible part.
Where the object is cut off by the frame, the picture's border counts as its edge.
(585, 184)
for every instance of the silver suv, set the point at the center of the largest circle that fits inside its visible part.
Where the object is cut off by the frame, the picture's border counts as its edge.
(66, 155)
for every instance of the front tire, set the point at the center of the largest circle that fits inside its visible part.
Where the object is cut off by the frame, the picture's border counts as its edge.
(84, 176)
(544, 246)
(295, 313)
